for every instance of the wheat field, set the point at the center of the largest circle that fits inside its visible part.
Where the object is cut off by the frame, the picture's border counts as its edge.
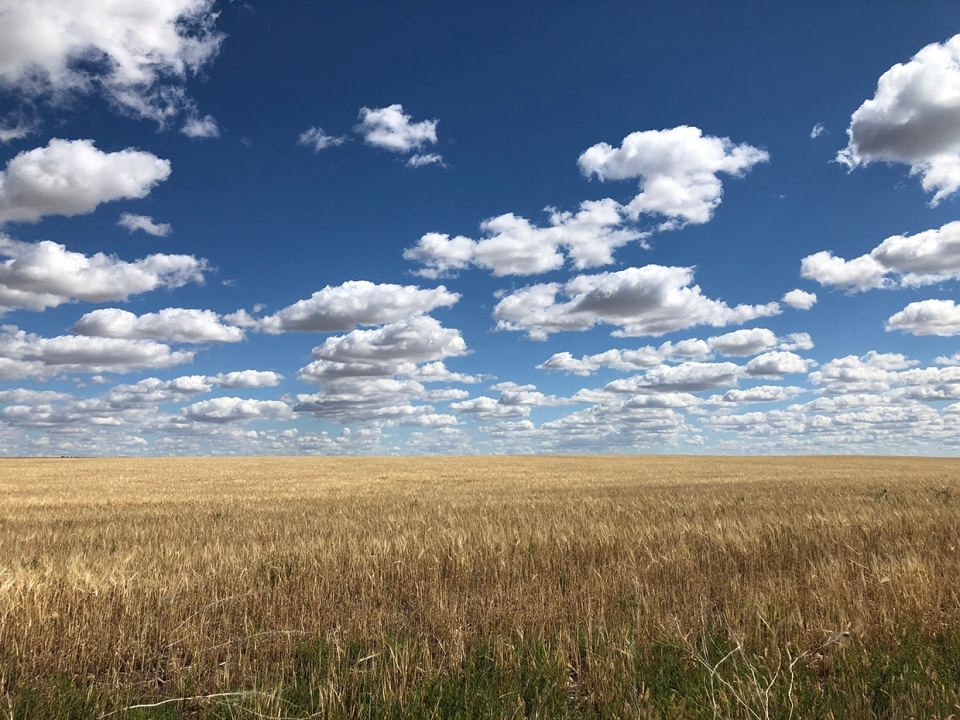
(643, 587)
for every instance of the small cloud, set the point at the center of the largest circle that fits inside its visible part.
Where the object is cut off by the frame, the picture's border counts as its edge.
(132, 222)
(205, 127)
(428, 159)
(316, 138)
(817, 131)
(799, 299)
(15, 132)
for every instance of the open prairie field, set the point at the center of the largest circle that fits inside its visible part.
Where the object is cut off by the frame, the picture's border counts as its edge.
(570, 587)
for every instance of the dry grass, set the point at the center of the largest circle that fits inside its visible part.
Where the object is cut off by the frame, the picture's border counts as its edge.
(305, 586)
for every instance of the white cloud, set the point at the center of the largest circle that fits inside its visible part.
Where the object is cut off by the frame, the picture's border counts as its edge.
(818, 130)
(629, 360)
(743, 342)
(738, 343)
(45, 274)
(777, 364)
(928, 257)
(201, 127)
(914, 118)
(758, 394)
(927, 317)
(374, 375)
(248, 379)
(139, 52)
(132, 222)
(343, 307)
(649, 300)
(421, 160)
(16, 131)
(417, 340)
(391, 128)
(515, 246)
(236, 410)
(316, 138)
(873, 372)
(687, 377)
(28, 354)
(855, 275)
(797, 341)
(678, 170)
(22, 396)
(170, 324)
(72, 177)
(799, 299)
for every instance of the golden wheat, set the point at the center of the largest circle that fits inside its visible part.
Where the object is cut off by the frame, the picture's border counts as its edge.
(161, 578)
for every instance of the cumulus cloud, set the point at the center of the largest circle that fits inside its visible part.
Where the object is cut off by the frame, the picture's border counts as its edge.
(392, 129)
(316, 138)
(26, 354)
(777, 364)
(687, 377)
(925, 258)
(649, 300)
(872, 372)
(376, 375)
(738, 343)
(515, 401)
(818, 130)
(132, 222)
(248, 379)
(170, 325)
(743, 342)
(514, 246)
(343, 307)
(799, 299)
(201, 127)
(856, 275)
(45, 274)
(236, 410)
(757, 394)
(914, 118)
(138, 52)
(385, 351)
(678, 170)
(72, 177)
(927, 317)
(628, 360)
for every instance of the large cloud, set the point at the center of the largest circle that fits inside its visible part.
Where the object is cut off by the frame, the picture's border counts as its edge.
(649, 300)
(515, 246)
(236, 410)
(45, 274)
(927, 317)
(678, 170)
(374, 375)
(28, 354)
(738, 343)
(384, 351)
(343, 307)
(138, 51)
(901, 260)
(170, 325)
(914, 118)
(72, 177)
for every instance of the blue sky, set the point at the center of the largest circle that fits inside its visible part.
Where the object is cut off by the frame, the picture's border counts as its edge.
(423, 227)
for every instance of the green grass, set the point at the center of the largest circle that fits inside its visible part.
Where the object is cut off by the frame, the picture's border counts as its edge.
(602, 675)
